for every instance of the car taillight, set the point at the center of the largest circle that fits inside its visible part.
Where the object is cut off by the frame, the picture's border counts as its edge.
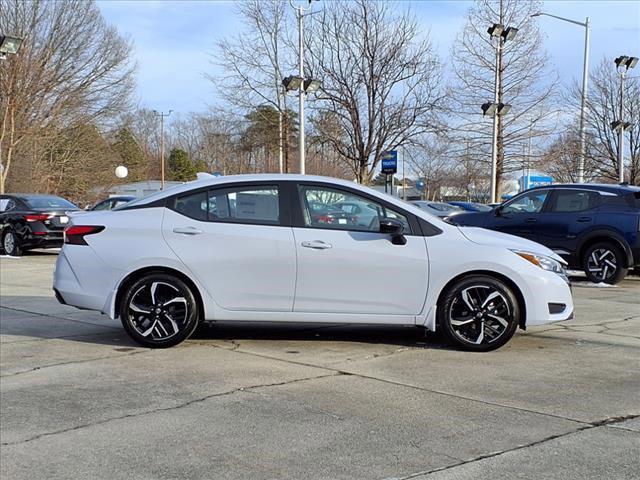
(74, 234)
(37, 217)
(325, 219)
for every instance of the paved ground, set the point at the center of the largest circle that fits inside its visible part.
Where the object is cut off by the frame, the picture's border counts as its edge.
(79, 400)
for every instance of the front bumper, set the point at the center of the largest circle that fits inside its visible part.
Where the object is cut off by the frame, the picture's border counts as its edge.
(548, 298)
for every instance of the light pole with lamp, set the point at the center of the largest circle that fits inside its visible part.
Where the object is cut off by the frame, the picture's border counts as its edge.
(8, 46)
(585, 82)
(304, 85)
(496, 107)
(623, 64)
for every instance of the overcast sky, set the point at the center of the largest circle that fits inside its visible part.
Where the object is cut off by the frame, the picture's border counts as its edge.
(174, 39)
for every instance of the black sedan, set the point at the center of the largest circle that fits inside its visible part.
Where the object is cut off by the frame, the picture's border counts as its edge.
(112, 202)
(30, 221)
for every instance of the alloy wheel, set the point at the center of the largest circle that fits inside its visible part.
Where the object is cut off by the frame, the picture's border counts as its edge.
(158, 310)
(602, 264)
(480, 314)
(9, 243)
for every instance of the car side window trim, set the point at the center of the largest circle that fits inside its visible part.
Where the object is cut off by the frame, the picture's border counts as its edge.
(283, 207)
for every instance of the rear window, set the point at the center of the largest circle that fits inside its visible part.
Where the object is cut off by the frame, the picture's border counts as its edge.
(49, 202)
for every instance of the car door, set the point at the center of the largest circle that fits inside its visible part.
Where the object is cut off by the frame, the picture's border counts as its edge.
(571, 211)
(237, 240)
(347, 268)
(520, 215)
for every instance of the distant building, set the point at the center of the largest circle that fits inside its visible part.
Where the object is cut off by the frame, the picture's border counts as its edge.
(140, 189)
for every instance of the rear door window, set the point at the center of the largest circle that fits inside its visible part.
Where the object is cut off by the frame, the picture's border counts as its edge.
(567, 201)
(252, 204)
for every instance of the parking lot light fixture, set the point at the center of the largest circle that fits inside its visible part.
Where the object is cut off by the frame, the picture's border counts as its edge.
(292, 83)
(9, 45)
(509, 33)
(312, 85)
(495, 30)
(623, 64)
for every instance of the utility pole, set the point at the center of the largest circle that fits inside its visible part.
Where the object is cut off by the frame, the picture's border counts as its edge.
(621, 131)
(162, 115)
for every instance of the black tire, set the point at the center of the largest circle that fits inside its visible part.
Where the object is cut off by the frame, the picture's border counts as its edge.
(11, 244)
(603, 262)
(160, 316)
(487, 309)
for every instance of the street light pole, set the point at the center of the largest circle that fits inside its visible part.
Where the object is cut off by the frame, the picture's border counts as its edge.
(162, 115)
(301, 91)
(583, 104)
(494, 138)
(585, 89)
(621, 131)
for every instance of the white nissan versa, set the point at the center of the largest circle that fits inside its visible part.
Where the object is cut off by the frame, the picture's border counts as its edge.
(280, 248)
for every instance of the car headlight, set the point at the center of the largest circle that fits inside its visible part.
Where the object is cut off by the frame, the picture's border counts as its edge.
(543, 261)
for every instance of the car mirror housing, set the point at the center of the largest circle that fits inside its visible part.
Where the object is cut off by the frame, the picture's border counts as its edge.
(390, 226)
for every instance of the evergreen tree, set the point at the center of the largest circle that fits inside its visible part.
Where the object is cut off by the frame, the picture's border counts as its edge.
(181, 168)
(131, 155)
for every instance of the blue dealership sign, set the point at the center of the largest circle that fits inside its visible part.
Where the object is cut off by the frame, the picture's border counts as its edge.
(530, 181)
(390, 162)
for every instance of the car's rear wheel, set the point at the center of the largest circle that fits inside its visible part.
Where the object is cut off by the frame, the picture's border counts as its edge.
(603, 262)
(159, 310)
(11, 244)
(479, 313)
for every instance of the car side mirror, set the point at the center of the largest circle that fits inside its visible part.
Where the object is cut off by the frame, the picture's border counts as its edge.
(498, 211)
(390, 226)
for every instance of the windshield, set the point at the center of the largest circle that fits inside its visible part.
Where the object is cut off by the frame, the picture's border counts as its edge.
(49, 202)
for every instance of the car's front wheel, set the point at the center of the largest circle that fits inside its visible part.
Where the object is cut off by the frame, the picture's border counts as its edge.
(159, 310)
(479, 313)
(604, 262)
(11, 244)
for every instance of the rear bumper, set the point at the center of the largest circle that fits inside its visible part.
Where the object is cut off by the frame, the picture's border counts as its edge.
(87, 284)
(50, 239)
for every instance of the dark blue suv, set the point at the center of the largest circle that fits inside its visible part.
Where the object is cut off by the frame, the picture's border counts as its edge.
(595, 228)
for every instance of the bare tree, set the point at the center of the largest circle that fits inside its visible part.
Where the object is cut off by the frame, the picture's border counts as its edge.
(380, 78)
(253, 63)
(525, 81)
(603, 108)
(71, 66)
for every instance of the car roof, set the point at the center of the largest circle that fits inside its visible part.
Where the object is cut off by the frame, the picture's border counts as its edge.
(208, 180)
(606, 187)
(26, 196)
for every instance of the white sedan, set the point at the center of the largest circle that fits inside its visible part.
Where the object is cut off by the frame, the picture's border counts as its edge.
(249, 248)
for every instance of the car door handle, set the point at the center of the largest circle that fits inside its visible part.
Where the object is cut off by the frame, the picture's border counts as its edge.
(585, 219)
(316, 245)
(187, 230)
(530, 220)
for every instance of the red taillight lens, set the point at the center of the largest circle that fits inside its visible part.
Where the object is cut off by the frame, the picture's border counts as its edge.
(37, 217)
(324, 219)
(74, 234)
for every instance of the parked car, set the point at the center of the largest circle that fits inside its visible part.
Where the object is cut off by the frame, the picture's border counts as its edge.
(164, 263)
(112, 202)
(439, 209)
(365, 214)
(595, 228)
(471, 206)
(30, 221)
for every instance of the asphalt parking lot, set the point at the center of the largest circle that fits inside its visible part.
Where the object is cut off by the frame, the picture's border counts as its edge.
(80, 400)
